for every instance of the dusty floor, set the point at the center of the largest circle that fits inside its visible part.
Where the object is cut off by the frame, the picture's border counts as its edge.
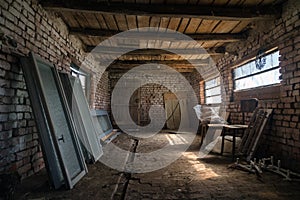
(187, 178)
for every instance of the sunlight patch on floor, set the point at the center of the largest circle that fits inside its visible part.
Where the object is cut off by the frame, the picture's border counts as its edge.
(202, 172)
(175, 139)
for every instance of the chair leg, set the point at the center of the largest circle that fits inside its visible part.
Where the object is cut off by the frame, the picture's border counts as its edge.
(233, 144)
(223, 143)
(203, 133)
(202, 138)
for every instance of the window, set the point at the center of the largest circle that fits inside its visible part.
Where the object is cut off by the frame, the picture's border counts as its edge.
(84, 78)
(248, 76)
(213, 91)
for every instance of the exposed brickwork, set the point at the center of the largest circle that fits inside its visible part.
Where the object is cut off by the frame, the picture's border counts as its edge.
(46, 35)
(283, 141)
(102, 94)
(195, 81)
(153, 94)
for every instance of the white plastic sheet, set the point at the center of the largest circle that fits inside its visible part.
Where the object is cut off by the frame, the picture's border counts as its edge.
(209, 114)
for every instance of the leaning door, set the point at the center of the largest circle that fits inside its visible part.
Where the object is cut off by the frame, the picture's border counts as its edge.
(57, 116)
(82, 117)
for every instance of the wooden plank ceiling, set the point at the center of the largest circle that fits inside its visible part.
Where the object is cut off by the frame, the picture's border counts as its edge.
(212, 23)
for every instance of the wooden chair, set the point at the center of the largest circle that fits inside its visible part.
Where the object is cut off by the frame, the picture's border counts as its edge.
(253, 134)
(250, 134)
(205, 125)
(234, 130)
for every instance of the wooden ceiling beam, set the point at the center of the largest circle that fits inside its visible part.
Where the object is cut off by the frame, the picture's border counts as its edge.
(182, 66)
(130, 66)
(153, 52)
(202, 62)
(161, 36)
(187, 11)
(204, 67)
(150, 58)
(122, 71)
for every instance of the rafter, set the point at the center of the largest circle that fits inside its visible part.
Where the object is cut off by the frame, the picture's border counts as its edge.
(188, 11)
(128, 66)
(181, 63)
(153, 52)
(123, 70)
(164, 36)
(203, 67)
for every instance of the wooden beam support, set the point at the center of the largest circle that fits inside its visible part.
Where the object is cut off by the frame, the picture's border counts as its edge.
(182, 63)
(130, 66)
(152, 52)
(181, 66)
(122, 71)
(155, 58)
(166, 36)
(172, 10)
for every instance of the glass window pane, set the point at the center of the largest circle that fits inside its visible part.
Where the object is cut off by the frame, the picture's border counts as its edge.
(212, 83)
(263, 79)
(272, 60)
(83, 77)
(213, 91)
(83, 82)
(213, 99)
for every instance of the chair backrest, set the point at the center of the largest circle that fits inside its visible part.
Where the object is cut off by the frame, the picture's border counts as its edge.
(254, 131)
(248, 105)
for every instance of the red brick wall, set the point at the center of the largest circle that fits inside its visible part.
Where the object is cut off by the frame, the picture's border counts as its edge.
(283, 140)
(42, 33)
(102, 93)
(195, 80)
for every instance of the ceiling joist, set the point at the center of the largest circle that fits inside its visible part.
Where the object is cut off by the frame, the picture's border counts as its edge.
(204, 70)
(121, 70)
(199, 62)
(152, 52)
(204, 66)
(129, 66)
(160, 36)
(186, 11)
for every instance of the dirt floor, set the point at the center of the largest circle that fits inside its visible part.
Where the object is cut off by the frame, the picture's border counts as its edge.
(187, 178)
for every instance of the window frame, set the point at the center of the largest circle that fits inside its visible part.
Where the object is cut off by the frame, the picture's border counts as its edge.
(210, 88)
(252, 59)
(78, 71)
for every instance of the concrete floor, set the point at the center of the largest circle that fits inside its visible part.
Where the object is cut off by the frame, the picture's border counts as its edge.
(187, 178)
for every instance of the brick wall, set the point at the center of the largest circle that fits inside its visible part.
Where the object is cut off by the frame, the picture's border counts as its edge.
(195, 80)
(283, 138)
(153, 94)
(102, 93)
(47, 36)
